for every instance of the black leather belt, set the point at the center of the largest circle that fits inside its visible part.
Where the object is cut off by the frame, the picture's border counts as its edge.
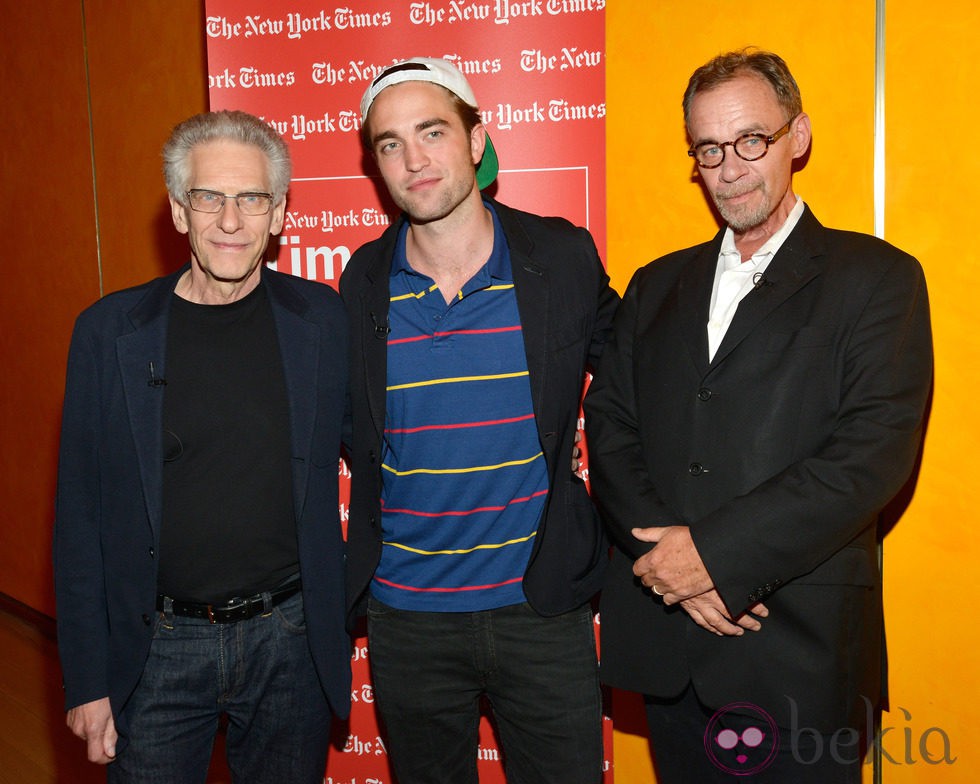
(234, 609)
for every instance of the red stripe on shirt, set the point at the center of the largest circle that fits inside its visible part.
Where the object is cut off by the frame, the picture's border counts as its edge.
(463, 513)
(448, 590)
(453, 332)
(486, 423)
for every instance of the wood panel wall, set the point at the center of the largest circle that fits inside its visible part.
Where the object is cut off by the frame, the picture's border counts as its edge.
(90, 91)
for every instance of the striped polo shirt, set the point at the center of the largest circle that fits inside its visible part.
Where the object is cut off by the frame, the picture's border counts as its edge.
(464, 477)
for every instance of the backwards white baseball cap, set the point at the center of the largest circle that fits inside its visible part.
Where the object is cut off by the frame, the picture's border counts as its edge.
(436, 71)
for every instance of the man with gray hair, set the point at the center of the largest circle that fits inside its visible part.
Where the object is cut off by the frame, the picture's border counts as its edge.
(198, 551)
(761, 402)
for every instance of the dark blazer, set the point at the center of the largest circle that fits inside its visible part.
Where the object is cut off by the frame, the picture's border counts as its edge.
(566, 308)
(779, 454)
(108, 510)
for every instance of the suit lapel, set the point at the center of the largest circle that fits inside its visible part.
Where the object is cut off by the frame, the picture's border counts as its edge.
(694, 300)
(533, 300)
(790, 270)
(374, 302)
(144, 385)
(299, 347)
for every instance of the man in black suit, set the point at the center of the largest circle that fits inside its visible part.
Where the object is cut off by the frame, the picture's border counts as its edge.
(761, 402)
(473, 546)
(198, 551)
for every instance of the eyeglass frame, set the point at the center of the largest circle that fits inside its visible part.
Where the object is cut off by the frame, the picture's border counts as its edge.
(225, 197)
(767, 138)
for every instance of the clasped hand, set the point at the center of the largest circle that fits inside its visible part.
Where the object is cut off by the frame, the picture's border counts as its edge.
(675, 572)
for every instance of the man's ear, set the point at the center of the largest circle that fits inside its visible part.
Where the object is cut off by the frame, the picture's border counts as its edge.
(800, 134)
(278, 217)
(478, 141)
(179, 213)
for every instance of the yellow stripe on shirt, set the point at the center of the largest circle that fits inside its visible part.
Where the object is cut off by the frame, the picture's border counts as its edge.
(473, 469)
(456, 380)
(462, 552)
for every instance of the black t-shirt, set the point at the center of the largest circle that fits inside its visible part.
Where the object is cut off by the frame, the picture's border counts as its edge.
(228, 520)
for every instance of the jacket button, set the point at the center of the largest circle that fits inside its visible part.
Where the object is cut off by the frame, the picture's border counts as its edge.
(372, 456)
(696, 469)
(152, 552)
(704, 394)
(146, 619)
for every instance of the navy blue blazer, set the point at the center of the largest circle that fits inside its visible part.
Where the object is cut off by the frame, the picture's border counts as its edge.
(108, 510)
(566, 308)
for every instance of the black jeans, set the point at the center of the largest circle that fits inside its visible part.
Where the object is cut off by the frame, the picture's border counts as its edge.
(540, 676)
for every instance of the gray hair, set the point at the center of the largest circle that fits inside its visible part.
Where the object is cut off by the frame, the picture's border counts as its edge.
(752, 62)
(227, 125)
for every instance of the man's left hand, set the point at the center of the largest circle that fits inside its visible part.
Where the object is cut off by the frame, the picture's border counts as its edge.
(709, 612)
(673, 569)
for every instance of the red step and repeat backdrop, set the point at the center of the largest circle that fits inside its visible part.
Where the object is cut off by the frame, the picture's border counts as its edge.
(538, 70)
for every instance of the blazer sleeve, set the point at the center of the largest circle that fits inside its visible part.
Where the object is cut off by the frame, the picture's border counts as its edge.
(622, 488)
(607, 303)
(78, 567)
(796, 520)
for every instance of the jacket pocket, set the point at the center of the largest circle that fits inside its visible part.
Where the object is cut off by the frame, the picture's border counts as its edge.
(850, 566)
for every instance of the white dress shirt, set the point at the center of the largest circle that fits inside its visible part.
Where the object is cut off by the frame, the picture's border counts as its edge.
(735, 278)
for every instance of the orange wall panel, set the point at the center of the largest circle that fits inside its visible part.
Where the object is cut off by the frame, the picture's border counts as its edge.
(654, 201)
(931, 556)
(656, 206)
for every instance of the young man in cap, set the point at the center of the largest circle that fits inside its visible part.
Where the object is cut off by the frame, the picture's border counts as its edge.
(473, 547)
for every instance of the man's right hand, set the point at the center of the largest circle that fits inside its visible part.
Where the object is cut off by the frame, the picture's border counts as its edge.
(93, 723)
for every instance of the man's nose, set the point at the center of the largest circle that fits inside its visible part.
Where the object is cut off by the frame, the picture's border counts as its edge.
(230, 216)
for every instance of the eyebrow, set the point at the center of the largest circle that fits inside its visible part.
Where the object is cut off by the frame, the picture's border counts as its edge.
(257, 189)
(422, 126)
(426, 124)
(754, 128)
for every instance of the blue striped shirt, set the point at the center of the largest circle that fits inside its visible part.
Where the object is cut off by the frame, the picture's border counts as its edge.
(464, 477)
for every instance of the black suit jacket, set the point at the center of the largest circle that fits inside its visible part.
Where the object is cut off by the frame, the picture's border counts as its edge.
(566, 308)
(109, 503)
(779, 454)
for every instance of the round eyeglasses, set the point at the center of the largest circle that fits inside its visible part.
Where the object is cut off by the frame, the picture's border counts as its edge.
(251, 204)
(748, 147)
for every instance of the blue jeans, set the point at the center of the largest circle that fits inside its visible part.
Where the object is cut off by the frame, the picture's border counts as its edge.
(539, 674)
(259, 672)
